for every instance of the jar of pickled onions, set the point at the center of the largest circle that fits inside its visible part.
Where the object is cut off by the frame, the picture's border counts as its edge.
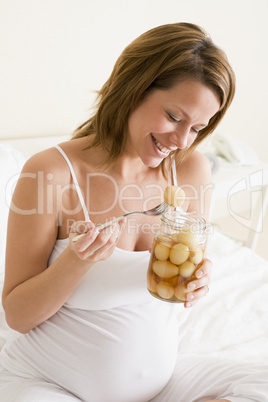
(177, 251)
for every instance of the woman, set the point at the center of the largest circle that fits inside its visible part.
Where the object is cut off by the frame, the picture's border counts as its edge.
(86, 327)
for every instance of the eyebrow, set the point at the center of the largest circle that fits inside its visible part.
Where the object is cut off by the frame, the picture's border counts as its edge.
(188, 117)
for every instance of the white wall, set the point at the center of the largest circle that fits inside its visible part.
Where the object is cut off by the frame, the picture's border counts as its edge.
(55, 52)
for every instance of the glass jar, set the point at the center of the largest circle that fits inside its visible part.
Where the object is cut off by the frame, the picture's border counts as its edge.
(177, 251)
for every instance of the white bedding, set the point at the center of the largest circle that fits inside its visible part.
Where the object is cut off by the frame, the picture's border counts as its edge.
(232, 321)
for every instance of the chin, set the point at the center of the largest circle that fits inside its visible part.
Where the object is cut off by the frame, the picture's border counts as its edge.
(152, 162)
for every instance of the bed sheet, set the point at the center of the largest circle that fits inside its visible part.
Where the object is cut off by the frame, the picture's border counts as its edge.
(232, 320)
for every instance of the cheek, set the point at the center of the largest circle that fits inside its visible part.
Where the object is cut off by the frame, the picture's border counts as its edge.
(148, 126)
(147, 120)
(161, 126)
(191, 139)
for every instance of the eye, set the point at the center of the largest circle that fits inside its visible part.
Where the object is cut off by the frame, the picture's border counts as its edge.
(173, 118)
(195, 130)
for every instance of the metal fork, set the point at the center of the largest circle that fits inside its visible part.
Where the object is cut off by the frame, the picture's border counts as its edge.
(158, 210)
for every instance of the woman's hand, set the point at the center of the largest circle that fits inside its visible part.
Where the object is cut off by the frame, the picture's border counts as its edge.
(95, 245)
(199, 287)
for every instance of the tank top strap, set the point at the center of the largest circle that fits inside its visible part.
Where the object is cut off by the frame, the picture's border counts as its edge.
(175, 181)
(174, 172)
(79, 193)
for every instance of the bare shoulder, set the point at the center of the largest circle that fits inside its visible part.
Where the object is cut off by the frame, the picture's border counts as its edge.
(35, 199)
(49, 165)
(194, 176)
(46, 160)
(195, 168)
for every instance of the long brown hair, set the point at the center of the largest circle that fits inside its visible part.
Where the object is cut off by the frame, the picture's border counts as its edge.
(158, 59)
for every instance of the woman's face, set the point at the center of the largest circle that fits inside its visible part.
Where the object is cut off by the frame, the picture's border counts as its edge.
(170, 119)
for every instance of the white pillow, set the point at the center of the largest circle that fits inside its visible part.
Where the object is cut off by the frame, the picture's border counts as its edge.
(11, 163)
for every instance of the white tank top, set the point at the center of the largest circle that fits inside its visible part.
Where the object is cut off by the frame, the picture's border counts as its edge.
(111, 341)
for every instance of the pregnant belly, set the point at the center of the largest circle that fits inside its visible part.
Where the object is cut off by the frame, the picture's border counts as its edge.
(122, 354)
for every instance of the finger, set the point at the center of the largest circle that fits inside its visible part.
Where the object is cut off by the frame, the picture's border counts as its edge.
(113, 240)
(197, 294)
(205, 268)
(195, 284)
(97, 245)
(105, 241)
(110, 230)
(85, 241)
(115, 230)
(122, 223)
(192, 298)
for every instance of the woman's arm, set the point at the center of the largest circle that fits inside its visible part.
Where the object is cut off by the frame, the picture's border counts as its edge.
(32, 291)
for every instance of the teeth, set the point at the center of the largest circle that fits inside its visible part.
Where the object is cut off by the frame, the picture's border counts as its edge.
(160, 147)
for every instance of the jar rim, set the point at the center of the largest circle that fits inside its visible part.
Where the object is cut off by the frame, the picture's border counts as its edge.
(178, 220)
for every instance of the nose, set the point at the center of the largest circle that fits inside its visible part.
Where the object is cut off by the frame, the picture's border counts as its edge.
(180, 138)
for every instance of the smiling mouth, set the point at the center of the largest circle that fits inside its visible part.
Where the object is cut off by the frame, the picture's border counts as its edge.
(160, 147)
